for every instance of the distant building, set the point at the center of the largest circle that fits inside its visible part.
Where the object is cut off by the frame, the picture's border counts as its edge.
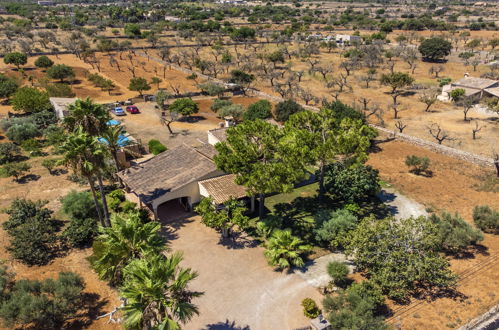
(173, 19)
(473, 87)
(233, 2)
(346, 39)
(46, 3)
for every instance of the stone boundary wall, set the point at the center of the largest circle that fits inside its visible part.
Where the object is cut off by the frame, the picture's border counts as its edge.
(484, 321)
(439, 148)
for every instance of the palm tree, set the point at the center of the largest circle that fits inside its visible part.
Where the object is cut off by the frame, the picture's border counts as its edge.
(112, 135)
(126, 239)
(91, 116)
(284, 250)
(155, 289)
(85, 155)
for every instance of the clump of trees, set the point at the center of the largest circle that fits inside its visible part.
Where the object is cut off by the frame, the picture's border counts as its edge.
(401, 256)
(32, 231)
(43, 304)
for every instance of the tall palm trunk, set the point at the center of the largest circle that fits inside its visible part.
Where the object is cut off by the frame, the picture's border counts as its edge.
(96, 201)
(104, 202)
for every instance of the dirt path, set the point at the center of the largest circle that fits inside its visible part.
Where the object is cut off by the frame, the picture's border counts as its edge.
(401, 207)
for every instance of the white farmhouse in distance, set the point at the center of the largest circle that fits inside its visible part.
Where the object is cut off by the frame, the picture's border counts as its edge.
(472, 86)
(342, 39)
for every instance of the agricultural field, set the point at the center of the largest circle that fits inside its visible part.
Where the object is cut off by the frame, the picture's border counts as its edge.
(230, 164)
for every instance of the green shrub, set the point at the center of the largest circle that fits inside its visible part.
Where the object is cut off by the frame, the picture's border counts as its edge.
(156, 147)
(59, 90)
(455, 234)
(80, 232)
(8, 152)
(310, 308)
(43, 304)
(8, 86)
(16, 170)
(79, 205)
(352, 184)
(44, 62)
(235, 111)
(332, 227)
(219, 104)
(355, 308)
(50, 164)
(114, 199)
(265, 227)
(486, 219)
(33, 147)
(338, 272)
(418, 165)
(285, 109)
(21, 132)
(259, 110)
(30, 100)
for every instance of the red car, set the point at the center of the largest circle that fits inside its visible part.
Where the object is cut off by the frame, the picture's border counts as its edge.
(132, 109)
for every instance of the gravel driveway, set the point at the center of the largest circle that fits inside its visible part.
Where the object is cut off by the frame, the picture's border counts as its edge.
(241, 291)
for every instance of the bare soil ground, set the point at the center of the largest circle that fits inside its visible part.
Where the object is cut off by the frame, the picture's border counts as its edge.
(452, 188)
(100, 298)
(191, 131)
(412, 114)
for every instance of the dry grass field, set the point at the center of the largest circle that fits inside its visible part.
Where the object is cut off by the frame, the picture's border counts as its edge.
(453, 188)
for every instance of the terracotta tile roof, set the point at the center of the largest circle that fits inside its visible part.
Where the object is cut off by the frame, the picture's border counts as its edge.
(167, 172)
(222, 188)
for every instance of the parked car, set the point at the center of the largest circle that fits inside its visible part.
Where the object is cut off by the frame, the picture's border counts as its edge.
(118, 111)
(132, 109)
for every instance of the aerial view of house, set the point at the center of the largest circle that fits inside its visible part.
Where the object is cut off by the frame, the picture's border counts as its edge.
(234, 164)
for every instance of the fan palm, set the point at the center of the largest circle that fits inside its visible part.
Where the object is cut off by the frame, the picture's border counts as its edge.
(85, 155)
(155, 289)
(87, 114)
(112, 135)
(126, 239)
(284, 250)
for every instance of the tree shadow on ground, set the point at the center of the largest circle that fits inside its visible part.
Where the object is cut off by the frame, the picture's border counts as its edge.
(237, 240)
(28, 178)
(169, 228)
(470, 252)
(59, 171)
(191, 119)
(227, 325)
(92, 306)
